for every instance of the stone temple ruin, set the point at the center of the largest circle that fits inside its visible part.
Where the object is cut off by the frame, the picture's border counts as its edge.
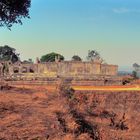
(81, 73)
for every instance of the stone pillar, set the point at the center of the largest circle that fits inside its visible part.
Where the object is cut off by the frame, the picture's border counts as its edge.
(37, 60)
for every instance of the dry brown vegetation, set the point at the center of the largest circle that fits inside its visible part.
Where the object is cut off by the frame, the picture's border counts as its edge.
(38, 114)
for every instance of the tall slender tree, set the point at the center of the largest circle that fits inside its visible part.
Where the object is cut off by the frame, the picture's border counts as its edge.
(93, 55)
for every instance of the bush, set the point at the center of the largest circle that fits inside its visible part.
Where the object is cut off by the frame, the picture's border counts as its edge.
(67, 91)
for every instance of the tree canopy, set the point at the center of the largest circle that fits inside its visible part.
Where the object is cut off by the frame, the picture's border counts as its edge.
(93, 55)
(50, 57)
(76, 58)
(29, 61)
(8, 54)
(12, 11)
(135, 73)
(136, 66)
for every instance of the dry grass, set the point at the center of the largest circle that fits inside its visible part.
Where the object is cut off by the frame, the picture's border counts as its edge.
(39, 114)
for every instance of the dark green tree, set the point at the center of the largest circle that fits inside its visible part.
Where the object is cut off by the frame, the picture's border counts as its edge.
(29, 61)
(76, 58)
(51, 57)
(8, 54)
(12, 11)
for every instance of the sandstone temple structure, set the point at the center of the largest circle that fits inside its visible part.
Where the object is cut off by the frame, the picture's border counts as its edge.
(95, 72)
(66, 69)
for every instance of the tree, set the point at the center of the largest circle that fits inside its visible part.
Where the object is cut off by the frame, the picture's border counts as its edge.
(136, 71)
(12, 11)
(136, 66)
(8, 54)
(76, 58)
(51, 57)
(134, 74)
(29, 61)
(93, 55)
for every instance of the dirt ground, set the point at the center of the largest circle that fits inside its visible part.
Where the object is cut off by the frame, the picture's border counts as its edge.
(38, 114)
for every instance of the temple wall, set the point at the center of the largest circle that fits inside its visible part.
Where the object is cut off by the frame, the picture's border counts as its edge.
(66, 69)
(109, 69)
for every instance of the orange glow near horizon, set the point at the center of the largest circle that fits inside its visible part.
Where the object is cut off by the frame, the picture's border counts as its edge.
(107, 88)
(84, 88)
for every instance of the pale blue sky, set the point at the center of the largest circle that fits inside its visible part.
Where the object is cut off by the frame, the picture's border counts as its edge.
(70, 27)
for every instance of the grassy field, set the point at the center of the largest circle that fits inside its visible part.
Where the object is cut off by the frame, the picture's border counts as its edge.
(37, 113)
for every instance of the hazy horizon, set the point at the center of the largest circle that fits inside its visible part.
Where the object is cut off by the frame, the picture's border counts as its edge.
(76, 26)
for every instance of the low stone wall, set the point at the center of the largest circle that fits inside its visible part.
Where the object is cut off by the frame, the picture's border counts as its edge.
(100, 81)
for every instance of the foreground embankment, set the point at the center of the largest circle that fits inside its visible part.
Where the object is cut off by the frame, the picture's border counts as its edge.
(36, 113)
